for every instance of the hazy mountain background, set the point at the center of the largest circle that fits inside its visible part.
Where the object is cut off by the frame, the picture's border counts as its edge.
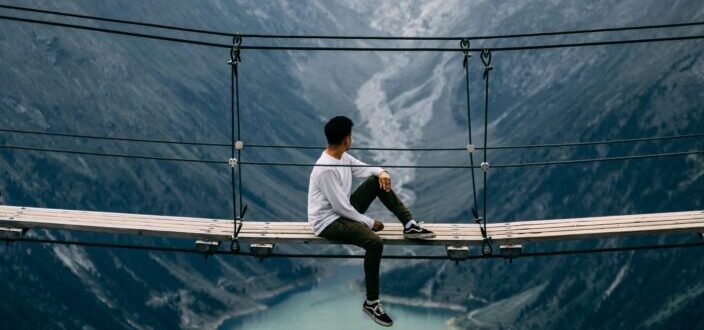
(74, 81)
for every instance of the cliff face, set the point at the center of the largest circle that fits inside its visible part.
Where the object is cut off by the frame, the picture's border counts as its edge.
(71, 81)
(575, 95)
(62, 80)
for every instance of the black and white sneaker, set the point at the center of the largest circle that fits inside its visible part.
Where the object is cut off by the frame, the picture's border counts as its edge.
(377, 313)
(415, 231)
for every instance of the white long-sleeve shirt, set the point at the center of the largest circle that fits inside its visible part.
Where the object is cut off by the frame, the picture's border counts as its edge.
(329, 191)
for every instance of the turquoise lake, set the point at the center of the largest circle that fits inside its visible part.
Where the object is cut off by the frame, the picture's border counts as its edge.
(333, 304)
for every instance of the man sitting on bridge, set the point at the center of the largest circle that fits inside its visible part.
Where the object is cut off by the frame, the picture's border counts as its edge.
(336, 215)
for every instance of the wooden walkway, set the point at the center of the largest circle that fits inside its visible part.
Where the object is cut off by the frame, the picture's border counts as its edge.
(300, 232)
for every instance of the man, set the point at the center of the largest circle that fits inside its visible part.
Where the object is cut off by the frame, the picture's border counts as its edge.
(336, 215)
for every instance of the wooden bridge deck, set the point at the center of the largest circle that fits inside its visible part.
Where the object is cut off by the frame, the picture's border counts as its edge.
(464, 234)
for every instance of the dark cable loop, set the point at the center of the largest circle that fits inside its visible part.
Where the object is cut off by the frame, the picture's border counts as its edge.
(487, 246)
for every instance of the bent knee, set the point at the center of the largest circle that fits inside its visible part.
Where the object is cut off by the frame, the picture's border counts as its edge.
(375, 243)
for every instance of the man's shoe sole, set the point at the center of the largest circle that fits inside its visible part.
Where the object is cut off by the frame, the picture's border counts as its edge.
(419, 235)
(377, 321)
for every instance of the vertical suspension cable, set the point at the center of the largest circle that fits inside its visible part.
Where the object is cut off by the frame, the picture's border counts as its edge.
(486, 60)
(234, 115)
(239, 145)
(233, 64)
(464, 44)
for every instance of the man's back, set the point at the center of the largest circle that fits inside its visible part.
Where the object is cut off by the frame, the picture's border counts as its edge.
(331, 184)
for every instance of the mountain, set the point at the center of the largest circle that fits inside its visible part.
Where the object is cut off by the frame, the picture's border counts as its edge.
(89, 83)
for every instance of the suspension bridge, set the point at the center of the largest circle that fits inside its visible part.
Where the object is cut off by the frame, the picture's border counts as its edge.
(261, 236)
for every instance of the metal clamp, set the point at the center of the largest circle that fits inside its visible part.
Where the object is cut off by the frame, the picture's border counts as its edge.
(457, 252)
(486, 60)
(234, 246)
(487, 248)
(477, 218)
(239, 145)
(11, 233)
(235, 50)
(207, 247)
(261, 250)
(464, 44)
(511, 251)
(485, 166)
(471, 148)
(235, 53)
(232, 162)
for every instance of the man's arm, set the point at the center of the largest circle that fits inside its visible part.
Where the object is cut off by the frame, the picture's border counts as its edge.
(332, 189)
(384, 178)
(363, 172)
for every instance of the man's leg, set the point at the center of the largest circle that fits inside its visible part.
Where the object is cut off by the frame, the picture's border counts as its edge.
(365, 194)
(353, 232)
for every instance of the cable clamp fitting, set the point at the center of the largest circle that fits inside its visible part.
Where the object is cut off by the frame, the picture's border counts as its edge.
(234, 245)
(471, 148)
(239, 145)
(487, 247)
(232, 162)
(485, 166)
(235, 52)
(486, 60)
(464, 44)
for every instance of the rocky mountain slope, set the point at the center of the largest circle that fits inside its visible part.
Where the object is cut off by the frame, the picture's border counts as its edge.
(64, 80)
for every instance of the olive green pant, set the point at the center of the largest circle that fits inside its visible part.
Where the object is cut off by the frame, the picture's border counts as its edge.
(353, 232)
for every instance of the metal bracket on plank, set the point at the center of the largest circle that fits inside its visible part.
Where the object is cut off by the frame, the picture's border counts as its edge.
(207, 246)
(261, 250)
(457, 252)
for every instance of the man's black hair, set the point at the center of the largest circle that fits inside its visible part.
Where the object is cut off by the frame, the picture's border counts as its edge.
(337, 129)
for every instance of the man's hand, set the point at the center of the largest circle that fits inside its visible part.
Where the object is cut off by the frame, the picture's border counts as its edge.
(385, 181)
(378, 226)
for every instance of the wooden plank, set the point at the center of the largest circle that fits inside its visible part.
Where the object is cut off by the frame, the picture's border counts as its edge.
(146, 223)
(436, 227)
(392, 223)
(500, 229)
(123, 216)
(266, 232)
(388, 239)
(203, 233)
(577, 226)
(135, 230)
(600, 218)
(605, 228)
(113, 214)
(591, 234)
(147, 227)
(302, 228)
(305, 228)
(590, 221)
(224, 225)
(133, 225)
